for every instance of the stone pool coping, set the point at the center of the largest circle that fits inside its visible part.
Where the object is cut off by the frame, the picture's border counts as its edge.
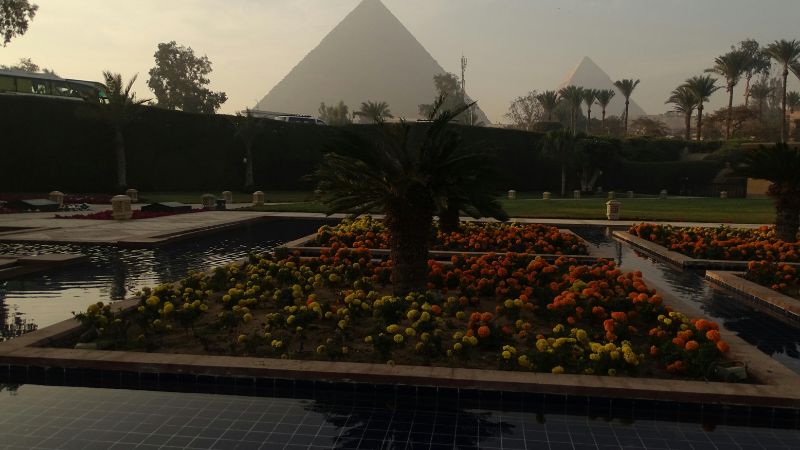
(679, 259)
(780, 306)
(12, 266)
(775, 391)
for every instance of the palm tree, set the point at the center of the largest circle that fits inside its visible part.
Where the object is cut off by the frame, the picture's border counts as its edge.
(756, 62)
(377, 111)
(793, 101)
(795, 68)
(589, 97)
(559, 145)
(408, 173)
(604, 97)
(781, 166)
(121, 110)
(785, 53)
(573, 96)
(702, 87)
(760, 92)
(248, 127)
(549, 102)
(731, 66)
(626, 88)
(685, 102)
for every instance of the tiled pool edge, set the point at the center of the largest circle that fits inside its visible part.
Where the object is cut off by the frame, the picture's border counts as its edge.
(27, 352)
(780, 306)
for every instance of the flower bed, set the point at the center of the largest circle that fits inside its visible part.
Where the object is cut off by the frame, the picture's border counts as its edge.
(515, 312)
(721, 243)
(778, 277)
(471, 237)
(137, 214)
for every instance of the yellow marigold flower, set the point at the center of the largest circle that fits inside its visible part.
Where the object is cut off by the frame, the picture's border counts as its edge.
(612, 372)
(411, 332)
(368, 339)
(424, 337)
(558, 370)
(614, 355)
(558, 329)
(582, 335)
(393, 329)
(247, 318)
(321, 349)
(524, 361)
(541, 345)
(290, 320)
(457, 346)
(242, 338)
(398, 338)
(508, 304)
(506, 354)
(460, 315)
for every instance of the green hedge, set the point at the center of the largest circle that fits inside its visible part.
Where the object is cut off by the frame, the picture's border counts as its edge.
(56, 144)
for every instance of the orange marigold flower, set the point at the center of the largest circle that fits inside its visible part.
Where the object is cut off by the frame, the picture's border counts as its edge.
(723, 347)
(653, 350)
(678, 341)
(484, 331)
(487, 316)
(713, 335)
(692, 345)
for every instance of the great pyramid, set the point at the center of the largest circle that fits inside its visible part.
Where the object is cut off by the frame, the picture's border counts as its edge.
(589, 75)
(369, 56)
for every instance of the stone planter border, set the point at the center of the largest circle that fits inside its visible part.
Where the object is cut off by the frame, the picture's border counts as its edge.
(780, 306)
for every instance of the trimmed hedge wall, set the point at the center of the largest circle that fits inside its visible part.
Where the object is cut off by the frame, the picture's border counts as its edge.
(48, 144)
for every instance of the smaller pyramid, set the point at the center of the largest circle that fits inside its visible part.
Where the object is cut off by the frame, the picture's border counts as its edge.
(589, 75)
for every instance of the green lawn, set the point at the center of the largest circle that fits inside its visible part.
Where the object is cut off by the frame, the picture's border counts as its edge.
(673, 209)
(238, 197)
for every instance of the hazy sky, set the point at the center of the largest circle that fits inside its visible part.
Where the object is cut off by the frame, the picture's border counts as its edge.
(513, 46)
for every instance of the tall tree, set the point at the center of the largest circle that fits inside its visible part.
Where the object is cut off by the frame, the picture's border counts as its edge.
(525, 111)
(573, 97)
(781, 166)
(731, 66)
(408, 174)
(757, 63)
(336, 115)
(122, 108)
(684, 102)
(702, 87)
(27, 65)
(559, 146)
(589, 97)
(626, 88)
(179, 80)
(448, 87)
(786, 54)
(549, 101)
(645, 126)
(376, 111)
(14, 18)
(604, 97)
(248, 128)
(760, 92)
(793, 101)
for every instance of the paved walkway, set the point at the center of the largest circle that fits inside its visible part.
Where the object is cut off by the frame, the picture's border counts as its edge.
(43, 227)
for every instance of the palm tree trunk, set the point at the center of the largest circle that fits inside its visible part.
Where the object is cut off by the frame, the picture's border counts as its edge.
(249, 181)
(119, 150)
(550, 115)
(588, 118)
(449, 218)
(783, 105)
(603, 121)
(410, 229)
(747, 89)
(627, 102)
(688, 120)
(699, 122)
(730, 113)
(787, 223)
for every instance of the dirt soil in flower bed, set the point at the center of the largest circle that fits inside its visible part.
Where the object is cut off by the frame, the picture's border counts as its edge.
(514, 312)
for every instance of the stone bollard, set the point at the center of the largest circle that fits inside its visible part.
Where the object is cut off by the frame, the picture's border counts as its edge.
(612, 210)
(612, 195)
(220, 204)
(512, 194)
(208, 201)
(133, 194)
(576, 194)
(723, 194)
(121, 207)
(663, 194)
(227, 196)
(258, 198)
(546, 195)
(630, 194)
(58, 197)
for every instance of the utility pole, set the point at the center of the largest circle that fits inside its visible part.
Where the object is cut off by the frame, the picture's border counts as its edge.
(464, 87)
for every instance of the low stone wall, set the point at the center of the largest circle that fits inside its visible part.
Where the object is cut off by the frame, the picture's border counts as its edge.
(782, 307)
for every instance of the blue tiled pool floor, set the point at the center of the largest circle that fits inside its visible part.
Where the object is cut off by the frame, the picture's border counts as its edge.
(50, 417)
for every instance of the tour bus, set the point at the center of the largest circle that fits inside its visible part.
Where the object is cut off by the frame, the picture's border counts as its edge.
(16, 82)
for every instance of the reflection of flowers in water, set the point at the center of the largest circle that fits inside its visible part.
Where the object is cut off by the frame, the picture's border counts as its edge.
(395, 428)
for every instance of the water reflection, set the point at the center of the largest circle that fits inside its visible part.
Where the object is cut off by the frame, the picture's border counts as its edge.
(113, 273)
